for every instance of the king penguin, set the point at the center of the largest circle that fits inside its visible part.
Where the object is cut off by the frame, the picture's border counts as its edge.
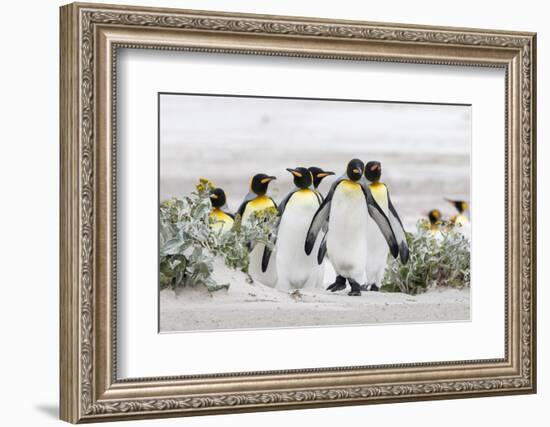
(347, 207)
(222, 219)
(461, 207)
(257, 200)
(377, 249)
(318, 175)
(434, 216)
(295, 269)
(461, 217)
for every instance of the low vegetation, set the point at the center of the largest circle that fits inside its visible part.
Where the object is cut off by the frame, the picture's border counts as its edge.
(189, 244)
(438, 258)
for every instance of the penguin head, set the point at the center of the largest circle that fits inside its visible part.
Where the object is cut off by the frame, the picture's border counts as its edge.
(217, 198)
(355, 169)
(434, 216)
(373, 171)
(460, 205)
(260, 182)
(302, 177)
(318, 175)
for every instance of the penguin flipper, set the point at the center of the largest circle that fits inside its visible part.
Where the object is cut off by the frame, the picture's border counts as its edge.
(399, 231)
(378, 215)
(265, 258)
(322, 250)
(319, 196)
(320, 219)
(267, 250)
(241, 209)
(250, 196)
(316, 225)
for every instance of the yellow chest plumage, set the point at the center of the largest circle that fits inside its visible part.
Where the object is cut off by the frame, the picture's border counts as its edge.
(347, 192)
(222, 220)
(380, 194)
(304, 196)
(258, 204)
(349, 186)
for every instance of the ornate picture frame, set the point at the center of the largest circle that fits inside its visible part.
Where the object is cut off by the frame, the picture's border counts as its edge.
(90, 37)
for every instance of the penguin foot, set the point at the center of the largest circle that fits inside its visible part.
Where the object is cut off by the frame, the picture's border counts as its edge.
(355, 288)
(372, 287)
(338, 285)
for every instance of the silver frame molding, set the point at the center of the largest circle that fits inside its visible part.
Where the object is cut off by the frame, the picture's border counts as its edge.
(90, 37)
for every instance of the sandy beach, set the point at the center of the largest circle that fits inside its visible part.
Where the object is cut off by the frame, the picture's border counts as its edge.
(255, 306)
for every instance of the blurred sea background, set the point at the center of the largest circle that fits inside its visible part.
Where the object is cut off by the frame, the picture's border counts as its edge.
(424, 149)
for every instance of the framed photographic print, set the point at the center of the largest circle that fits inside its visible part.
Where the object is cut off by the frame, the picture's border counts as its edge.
(265, 212)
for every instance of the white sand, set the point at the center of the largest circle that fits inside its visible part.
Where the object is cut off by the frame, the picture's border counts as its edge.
(252, 306)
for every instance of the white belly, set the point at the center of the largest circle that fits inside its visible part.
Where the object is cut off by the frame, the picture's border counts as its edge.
(269, 277)
(377, 253)
(464, 226)
(296, 269)
(347, 235)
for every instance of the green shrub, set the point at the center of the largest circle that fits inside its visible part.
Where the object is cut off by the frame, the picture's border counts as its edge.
(436, 259)
(189, 244)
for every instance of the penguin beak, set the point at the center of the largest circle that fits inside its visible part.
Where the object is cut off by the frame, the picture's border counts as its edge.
(323, 174)
(294, 172)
